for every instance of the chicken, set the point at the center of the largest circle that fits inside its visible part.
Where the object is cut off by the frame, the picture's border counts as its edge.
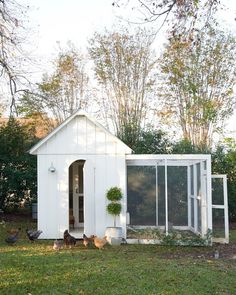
(87, 240)
(69, 240)
(33, 234)
(12, 239)
(57, 245)
(13, 231)
(99, 243)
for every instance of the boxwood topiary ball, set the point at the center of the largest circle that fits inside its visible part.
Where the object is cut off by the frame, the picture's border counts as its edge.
(114, 208)
(114, 194)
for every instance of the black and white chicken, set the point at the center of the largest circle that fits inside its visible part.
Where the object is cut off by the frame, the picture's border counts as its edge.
(33, 234)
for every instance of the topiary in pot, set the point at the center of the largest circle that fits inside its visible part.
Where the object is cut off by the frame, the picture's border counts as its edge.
(114, 195)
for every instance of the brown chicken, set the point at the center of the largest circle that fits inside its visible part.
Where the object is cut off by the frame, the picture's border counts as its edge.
(14, 231)
(99, 243)
(87, 240)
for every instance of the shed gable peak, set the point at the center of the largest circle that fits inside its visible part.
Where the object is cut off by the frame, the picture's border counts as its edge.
(80, 133)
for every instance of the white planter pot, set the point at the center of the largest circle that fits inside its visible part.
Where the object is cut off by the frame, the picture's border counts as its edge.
(114, 235)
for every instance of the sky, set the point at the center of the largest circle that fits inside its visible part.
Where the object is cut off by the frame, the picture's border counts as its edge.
(53, 21)
(58, 21)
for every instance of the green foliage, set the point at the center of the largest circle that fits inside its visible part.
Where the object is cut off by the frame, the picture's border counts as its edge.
(174, 237)
(152, 141)
(114, 208)
(35, 268)
(186, 238)
(114, 194)
(185, 146)
(18, 171)
(224, 162)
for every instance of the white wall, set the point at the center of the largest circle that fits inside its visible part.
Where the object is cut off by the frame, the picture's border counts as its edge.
(82, 136)
(105, 166)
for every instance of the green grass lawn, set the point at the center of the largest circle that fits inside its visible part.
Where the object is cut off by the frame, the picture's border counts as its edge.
(35, 268)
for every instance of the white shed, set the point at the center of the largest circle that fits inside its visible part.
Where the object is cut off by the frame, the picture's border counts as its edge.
(80, 160)
(77, 163)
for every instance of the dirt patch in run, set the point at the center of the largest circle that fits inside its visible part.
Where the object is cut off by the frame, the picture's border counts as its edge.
(217, 251)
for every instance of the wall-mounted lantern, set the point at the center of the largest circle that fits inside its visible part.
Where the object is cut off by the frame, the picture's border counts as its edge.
(52, 169)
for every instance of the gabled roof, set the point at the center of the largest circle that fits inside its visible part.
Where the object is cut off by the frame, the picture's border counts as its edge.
(34, 149)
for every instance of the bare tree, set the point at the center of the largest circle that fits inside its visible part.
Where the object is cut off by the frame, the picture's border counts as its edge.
(180, 13)
(64, 91)
(12, 16)
(124, 66)
(198, 79)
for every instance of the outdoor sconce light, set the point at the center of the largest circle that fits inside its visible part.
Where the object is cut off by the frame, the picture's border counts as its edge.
(52, 168)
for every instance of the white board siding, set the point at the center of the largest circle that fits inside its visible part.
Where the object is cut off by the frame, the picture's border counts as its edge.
(104, 155)
(100, 190)
(91, 137)
(47, 203)
(122, 180)
(84, 137)
(89, 196)
(81, 135)
(100, 173)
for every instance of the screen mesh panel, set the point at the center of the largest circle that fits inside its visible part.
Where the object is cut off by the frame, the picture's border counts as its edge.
(199, 216)
(218, 223)
(217, 191)
(141, 195)
(177, 195)
(161, 195)
(192, 212)
(191, 180)
(198, 179)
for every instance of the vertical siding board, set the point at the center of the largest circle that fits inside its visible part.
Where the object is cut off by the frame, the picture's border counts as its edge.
(69, 142)
(111, 180)
(121, 181)
(111, 145)
(91, 137)
(100, 189)
(47, 199)
(81, 131)
(89, 196)
(100, 141)
(62, 198)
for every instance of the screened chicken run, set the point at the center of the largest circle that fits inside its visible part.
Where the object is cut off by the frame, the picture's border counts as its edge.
(175, 199)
